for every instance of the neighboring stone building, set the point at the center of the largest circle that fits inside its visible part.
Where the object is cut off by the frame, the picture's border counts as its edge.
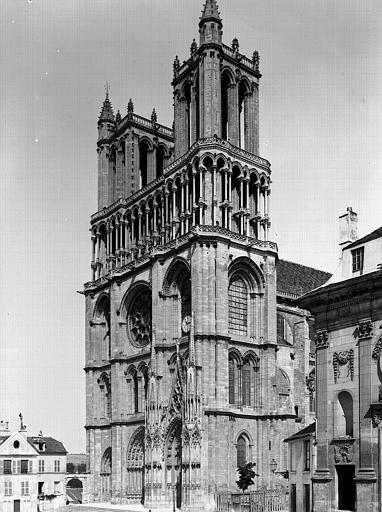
(196, 358)
(32, 471)
(348, 314)
(302, 458)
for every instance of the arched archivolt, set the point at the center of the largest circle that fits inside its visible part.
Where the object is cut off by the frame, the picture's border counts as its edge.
(207, 159)
(132, 292)
(175, 271)
(130, 371)
(106, 461)
(221, 161)
(282, 381)
(102, 306)
(135, 450)
(244, 433)
(245, 84)
(228, 74)
(146, 140)
(254, 175)
(164, 148)
(234, 354)
(251, 356)
(249, 272)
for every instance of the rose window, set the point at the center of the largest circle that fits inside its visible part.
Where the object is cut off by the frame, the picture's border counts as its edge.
(139, 319)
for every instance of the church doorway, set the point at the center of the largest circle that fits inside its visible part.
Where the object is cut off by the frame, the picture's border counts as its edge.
(135, 467)
(174, 462)
(346, 487)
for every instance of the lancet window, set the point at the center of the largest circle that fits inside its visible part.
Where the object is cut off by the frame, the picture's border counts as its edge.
(105, 473)
(242, 451)
(105, 393)
(143, 163)
(243, 380)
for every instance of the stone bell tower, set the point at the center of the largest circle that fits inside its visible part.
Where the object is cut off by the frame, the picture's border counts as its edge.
(183, 381)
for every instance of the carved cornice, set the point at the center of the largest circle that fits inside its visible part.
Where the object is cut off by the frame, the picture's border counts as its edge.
(321, 339)
(207, 234)
(365, 329)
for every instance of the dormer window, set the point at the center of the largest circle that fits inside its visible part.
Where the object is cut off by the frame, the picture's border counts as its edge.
(357, 259)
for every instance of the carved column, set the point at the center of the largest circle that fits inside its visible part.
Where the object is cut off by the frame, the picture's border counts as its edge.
(321, 478)
(365, 477)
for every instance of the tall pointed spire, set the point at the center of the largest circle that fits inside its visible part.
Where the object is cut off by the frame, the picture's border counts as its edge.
(107, 113)
(210, 12)
(210, 24)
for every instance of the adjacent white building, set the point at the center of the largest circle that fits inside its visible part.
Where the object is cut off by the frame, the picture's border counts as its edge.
(32, 471)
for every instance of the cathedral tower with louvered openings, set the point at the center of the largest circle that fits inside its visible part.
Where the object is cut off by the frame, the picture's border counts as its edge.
(195, 362)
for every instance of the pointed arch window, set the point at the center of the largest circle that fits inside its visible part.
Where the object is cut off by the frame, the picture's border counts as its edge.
(241, 451)
(247, 381)
(143, 163)
(238, 306)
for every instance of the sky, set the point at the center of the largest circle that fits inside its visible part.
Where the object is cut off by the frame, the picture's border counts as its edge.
(320, 127)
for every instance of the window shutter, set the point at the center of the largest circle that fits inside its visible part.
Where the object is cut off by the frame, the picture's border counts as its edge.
(19, 466)
(1, 467)
(14, 467)
(30, 466)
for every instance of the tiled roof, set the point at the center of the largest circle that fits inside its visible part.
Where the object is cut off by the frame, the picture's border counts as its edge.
(52, 446)
(307, 431)
(295, 280)
(377, 233)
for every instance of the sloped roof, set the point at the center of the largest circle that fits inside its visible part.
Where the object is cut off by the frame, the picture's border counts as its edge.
(295, 280)
(377, 233)
(305, 432)
(52, 446)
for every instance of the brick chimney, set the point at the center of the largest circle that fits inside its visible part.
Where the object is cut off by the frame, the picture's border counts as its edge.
(348, 228)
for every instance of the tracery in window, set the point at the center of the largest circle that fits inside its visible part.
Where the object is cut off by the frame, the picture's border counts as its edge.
(238, 306)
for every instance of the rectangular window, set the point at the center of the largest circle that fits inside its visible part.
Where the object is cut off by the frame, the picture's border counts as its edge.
(24, 466)
(57, 466)
(357, 259)
(41, 466)
(56, 487)
(307, 455)
(7, 467)
(306, 498)
(7, 488)
(24, 488)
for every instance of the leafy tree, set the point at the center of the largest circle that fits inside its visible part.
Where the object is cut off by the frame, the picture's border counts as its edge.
(246, 476)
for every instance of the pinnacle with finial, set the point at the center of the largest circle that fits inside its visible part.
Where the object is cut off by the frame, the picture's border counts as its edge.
(107, 113)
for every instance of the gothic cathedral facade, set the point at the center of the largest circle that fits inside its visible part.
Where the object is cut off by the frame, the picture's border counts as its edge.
(196, 359)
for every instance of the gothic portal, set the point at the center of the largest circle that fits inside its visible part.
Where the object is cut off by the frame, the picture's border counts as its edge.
(196, 358)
